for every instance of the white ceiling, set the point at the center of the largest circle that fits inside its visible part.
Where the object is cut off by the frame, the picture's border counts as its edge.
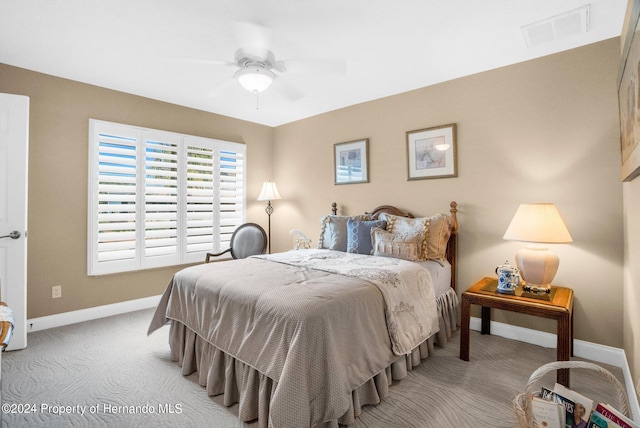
(158, 48)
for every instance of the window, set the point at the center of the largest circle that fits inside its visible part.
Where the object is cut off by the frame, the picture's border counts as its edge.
(158, 198)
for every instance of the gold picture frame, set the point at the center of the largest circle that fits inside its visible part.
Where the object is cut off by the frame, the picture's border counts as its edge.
(629, 96)
(351, 162)
(431, 153)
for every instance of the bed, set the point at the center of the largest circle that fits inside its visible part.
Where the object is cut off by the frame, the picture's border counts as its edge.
(309, 337)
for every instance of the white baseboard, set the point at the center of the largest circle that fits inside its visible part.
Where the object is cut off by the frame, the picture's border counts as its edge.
(592, 351)
(66, 318)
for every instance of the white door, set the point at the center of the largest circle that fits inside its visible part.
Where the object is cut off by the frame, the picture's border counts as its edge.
(14, 145)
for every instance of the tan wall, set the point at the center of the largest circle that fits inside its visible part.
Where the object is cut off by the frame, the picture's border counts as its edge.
(543, 130)
(57, 245)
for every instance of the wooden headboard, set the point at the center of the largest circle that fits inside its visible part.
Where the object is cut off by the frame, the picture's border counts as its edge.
(452, 250)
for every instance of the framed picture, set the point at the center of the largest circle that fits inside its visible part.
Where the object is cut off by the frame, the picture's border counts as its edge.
(352, 162)
(431, 152)
(629, 97)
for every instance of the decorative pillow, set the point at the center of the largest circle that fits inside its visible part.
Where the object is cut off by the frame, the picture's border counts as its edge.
(408, 226)
(325, 234)
(439, 232)
(400, 246)
(359, 235)
(333, 231)
(435, 229)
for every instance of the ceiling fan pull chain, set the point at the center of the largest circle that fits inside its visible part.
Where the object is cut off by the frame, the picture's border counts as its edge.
(257, 91)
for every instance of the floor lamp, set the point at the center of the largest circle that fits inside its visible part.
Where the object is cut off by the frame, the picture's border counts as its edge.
(269, 193)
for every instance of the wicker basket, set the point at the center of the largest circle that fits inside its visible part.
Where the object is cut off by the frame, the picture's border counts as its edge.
(522, 402)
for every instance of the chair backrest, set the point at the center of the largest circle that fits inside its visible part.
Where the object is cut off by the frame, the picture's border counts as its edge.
(248, 239)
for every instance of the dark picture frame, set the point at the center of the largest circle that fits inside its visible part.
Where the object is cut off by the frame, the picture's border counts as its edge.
(351, 162)
(431, 153)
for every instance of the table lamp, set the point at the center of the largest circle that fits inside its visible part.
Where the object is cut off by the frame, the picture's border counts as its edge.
(537, 224)
(269, 193)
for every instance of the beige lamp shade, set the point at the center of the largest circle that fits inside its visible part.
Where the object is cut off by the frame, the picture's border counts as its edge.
(537, 224)
(269, 192)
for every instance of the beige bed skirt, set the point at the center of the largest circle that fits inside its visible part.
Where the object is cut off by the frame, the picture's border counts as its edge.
(239, 383)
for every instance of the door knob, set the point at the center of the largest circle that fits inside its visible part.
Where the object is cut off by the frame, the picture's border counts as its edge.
(13, 235)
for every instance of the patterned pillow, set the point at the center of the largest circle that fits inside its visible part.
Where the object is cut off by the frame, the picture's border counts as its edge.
(333, 231)
(400, 246)
(435, 229)
(359, 235)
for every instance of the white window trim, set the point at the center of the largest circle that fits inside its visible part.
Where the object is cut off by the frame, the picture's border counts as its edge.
(181, 143)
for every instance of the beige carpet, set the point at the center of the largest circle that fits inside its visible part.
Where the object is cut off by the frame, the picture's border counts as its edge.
(110, 370)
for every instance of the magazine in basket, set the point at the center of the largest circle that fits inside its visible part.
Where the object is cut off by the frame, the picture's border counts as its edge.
(606, 416)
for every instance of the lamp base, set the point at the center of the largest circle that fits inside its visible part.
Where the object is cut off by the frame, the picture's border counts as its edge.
(538, 266)
(538, 295)
(536, 290)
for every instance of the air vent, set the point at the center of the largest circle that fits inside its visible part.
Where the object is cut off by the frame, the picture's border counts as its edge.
(575, 21)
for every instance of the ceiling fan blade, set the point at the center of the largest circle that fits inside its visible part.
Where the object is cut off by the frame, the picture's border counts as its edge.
(253, 38)
(225, 88)
(326, 66)
(186, 60)
(287, 90)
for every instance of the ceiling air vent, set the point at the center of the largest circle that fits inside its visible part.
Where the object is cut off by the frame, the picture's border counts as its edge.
(575, 21)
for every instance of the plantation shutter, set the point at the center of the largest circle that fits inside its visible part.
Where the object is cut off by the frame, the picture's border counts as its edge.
(114, 210)
(161, 200)
(232, 183)
(158, 198)
(201, 198)
(215, 194)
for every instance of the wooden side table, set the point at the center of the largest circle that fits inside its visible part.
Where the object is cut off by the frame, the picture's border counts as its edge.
(557, 305)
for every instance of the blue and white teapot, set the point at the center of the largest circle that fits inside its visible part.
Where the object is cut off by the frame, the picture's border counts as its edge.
(508, 278)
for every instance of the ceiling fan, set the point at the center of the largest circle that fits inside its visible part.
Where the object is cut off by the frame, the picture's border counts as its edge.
(255, 72)
(257, 67)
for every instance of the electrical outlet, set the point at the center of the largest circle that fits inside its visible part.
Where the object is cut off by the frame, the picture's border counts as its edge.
(56, 291)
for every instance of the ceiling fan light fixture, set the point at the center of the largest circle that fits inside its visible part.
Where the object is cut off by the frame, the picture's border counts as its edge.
(255, 78)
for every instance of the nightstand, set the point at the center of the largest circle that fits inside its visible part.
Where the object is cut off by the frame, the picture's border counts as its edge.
(558, 305)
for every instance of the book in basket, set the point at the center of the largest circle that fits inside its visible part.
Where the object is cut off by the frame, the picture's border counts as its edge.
(568, 404)
(583, 405)
(605, 416)
(548, 414)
